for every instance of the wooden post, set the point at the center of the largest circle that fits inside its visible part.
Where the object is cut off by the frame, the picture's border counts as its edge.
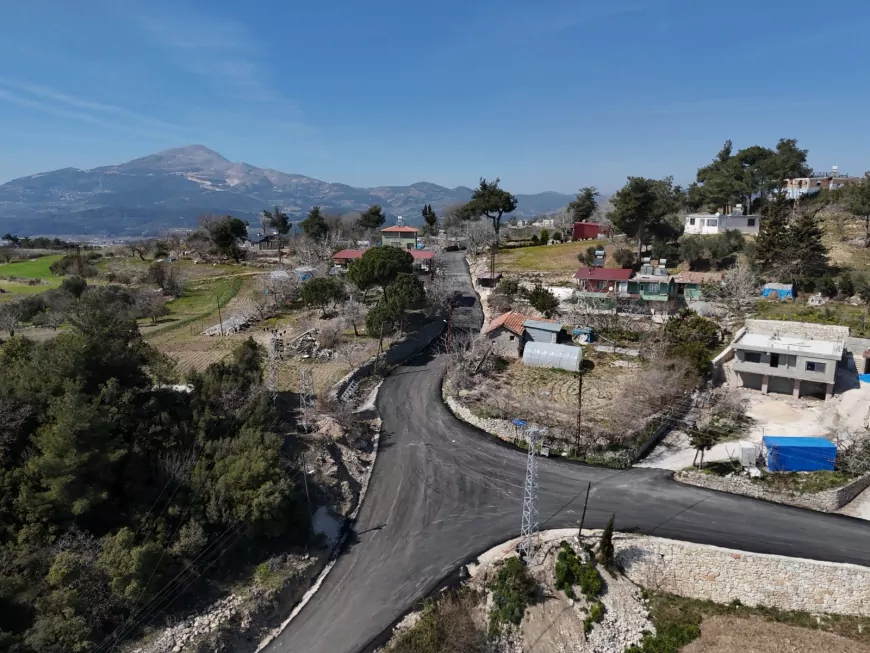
(583, 516)
(220, 319)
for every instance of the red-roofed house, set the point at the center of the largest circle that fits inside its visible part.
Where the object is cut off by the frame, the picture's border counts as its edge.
(603, 280)
(508, 334)
(345, 256)
(399, 236)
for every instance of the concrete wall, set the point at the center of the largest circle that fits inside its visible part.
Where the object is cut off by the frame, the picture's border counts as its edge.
(826, 501)
(791, 366)
(722, 575)
(505, 343)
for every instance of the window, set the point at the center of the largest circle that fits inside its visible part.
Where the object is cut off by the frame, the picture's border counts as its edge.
(752, 357)
(713, 222)
(513, 338)
(691, 221)
(812, 366)
(774, 360)
(750, 222)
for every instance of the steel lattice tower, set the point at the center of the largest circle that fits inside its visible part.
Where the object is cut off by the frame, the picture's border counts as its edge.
(529, 529)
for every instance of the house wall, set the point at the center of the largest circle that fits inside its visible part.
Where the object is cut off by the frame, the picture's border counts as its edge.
(791, 366)
(747, 224)
(505, 343)
(710, 224)
(540, 335)
(394, 239)
(750, 380)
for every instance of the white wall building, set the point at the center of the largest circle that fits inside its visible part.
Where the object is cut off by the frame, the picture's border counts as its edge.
(717, 223)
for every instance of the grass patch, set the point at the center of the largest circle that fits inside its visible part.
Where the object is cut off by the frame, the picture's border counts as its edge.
(446, 625)
(838, 313)
(36, 268)
(513, 590)
(198, 302)
(805, 482)
(678, 620)
(552, 258)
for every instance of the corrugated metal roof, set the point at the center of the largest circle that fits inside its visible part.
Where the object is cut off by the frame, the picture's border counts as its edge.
(543, 354)
(604, 274)
(544, 326)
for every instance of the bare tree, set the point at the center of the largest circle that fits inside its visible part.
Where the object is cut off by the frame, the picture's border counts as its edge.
(11, 315)
(478, 235)
(138, 248)
(151, 304)
(354, 312)
(737, 293)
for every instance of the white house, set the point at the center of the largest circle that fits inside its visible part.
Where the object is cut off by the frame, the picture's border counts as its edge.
(716, 223)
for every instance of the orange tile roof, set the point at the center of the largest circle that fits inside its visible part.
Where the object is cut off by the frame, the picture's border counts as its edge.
(513, 322)
(400, 229)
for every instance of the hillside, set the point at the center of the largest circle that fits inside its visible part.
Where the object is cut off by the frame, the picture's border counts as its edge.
(173, 188)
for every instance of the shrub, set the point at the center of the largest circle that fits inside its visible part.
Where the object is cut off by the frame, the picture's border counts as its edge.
(512, 591)
(624, 257)
(846, 286)
(571, 571)
(446, 625)
(76, 264)
(508, 287)
(596, 614)
(543, 300)
(605, 547)
(544, 238)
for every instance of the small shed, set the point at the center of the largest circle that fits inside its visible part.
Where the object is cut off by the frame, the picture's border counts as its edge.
(563, 357)
(796, 454)
(488, 279)
(778, 291)
(539, 331)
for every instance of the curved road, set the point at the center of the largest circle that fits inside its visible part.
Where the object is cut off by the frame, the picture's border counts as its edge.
(442, 493)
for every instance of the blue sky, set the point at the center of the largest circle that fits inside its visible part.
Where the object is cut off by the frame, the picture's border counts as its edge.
(550, 95)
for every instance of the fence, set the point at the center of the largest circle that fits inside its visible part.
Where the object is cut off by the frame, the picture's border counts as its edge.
(660, 426)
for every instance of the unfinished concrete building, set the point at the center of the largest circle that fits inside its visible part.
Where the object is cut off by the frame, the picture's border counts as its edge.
(794, 358)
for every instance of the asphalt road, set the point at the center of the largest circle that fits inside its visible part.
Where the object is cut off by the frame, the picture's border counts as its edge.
(443, 492)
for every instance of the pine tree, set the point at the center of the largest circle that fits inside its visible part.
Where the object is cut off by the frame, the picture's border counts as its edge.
(605, 546)
(809, 256)
(773, 242)
(431, 219)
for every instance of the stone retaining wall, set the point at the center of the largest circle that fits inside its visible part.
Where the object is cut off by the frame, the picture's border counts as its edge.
(825, 501)
(500, 428)
(722, 575)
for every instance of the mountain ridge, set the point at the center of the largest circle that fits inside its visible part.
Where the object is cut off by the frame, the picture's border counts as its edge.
(175, 187)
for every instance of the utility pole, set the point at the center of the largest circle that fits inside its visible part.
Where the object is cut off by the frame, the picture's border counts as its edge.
(307, 497)
(579, 411)
(450, 325)
(529, 529)
(220, 319)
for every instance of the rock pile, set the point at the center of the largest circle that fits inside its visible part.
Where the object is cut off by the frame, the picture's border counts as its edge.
(174, 639)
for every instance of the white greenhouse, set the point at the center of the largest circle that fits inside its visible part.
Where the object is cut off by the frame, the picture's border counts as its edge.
(544, 354)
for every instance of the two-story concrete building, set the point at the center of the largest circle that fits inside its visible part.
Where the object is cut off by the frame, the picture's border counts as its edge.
(399, 236)
(794, 358)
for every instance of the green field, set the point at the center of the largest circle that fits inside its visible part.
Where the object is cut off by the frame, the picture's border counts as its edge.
(546, 258)
(37, 268)
(199, 301)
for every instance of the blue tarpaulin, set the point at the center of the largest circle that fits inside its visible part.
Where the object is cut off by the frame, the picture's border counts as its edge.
(780, 290)
(795, 454)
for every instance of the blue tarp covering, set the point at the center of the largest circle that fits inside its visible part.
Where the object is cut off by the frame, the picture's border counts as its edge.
(780, 290)
(793, 454)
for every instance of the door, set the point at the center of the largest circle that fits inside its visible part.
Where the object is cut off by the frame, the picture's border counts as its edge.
(774, 360)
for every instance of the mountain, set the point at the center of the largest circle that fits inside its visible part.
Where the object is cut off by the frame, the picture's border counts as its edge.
(174, 188)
